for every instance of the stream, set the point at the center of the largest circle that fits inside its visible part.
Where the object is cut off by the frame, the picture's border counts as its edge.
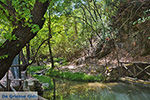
(71, 90)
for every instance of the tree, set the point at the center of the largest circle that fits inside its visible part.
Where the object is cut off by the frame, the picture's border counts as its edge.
(131, 24)
(26, 18)
(64, 31)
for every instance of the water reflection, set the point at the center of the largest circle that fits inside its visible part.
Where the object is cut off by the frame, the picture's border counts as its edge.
(66, 90)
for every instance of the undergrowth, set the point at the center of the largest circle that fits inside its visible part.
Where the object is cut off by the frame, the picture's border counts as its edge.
(77, 76)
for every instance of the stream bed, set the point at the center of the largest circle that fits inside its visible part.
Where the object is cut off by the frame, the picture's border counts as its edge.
(71, 90)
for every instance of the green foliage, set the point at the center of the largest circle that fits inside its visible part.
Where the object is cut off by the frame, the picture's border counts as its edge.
(73, 24)
(64, 75)
(42, 1)
(20, 13)
(60, 62)
(3, 57)
(5, 33)
(75, 76)
(42, 78)
(35, 28)
(65, 41)
(141, 20)
(35, 68)
(23, 9)
(8, 36)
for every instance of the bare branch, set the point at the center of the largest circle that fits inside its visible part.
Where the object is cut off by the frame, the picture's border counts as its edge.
(9, 3)
(89, 12)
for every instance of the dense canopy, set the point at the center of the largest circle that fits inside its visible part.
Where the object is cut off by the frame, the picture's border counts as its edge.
(69, 29)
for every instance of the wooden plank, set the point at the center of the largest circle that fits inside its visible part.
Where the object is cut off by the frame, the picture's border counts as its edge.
(128, 70)
(12, 88)
(8, 81)
(134, 70)
(138, 62)
(143, 71)
(135, 81)
(3, 86)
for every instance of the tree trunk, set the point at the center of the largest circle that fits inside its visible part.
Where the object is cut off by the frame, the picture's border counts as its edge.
(103, 49)
(49, 44)
(24, 61)
(28, 51)
(11, 48)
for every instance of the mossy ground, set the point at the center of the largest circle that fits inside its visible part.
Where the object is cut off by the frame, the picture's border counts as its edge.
(77, 76)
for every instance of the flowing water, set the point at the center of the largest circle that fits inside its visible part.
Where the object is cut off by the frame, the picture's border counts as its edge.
(68, 90)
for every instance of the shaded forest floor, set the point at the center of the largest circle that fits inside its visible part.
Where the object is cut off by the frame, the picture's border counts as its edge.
(95, 66)
(108, 65)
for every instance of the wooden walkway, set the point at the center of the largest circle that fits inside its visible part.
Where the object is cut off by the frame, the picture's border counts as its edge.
(139, 70)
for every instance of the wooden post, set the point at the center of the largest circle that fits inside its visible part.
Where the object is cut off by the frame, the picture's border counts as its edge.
(8, 81)
(5, 88)
(54, 90)
(20, 82)
(134, 70)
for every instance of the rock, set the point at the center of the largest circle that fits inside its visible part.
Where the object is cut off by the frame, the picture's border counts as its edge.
(45, 85)
(35, 85)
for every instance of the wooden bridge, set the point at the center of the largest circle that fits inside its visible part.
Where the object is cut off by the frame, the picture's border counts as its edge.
(139, 70)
